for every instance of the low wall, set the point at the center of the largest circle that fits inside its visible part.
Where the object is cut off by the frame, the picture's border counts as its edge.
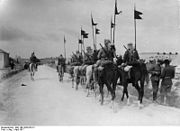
(7, 72)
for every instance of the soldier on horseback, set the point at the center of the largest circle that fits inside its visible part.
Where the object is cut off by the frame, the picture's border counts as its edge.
(88, 56)
(131, 57)
(61, 62)
(33, 60)
(77, 59)
(105, 71)
(106, 54)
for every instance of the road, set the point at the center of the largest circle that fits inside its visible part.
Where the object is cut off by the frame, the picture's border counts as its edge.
(46, 101)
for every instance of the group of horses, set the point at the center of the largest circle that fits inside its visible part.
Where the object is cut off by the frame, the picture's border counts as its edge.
(109, 74)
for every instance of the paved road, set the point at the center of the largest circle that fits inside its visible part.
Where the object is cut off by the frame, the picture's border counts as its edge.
(46, 101)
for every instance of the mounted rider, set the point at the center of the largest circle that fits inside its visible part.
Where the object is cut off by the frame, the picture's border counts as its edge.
(131, 57)
(106, 54)
(62, 63)
(77, 59)
(34, 60)
(88, 56)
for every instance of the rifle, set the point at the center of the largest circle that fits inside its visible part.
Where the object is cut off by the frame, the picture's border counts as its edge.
(86, 55)
(125, 47)
(75, 55)
(104, 49)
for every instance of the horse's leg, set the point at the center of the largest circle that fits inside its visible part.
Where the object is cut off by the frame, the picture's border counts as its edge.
(122, 98)
(72, 81)
(142, 90)
(77, 80)
(139, 94)
(124, 91)
(107, 94)
(127, 94)
(88, 86)
(95, 85)
(108, 84)
(102, 93)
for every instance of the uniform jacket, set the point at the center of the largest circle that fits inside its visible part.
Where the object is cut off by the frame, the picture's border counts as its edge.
(61, 61)
(33, 59)
(155, 72)
(88, 58)
(131, 56)
(167, 74)
(105, 53)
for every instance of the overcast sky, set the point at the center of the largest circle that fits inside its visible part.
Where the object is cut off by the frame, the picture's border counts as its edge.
(40, 25)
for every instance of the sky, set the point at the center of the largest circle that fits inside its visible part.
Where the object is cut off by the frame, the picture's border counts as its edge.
(40, 25)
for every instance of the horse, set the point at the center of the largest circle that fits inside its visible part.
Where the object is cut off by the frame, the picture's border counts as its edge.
(107, 75)
(138, 73)
(32, 69)
(60, 72)
(91, 83)
(82, 74)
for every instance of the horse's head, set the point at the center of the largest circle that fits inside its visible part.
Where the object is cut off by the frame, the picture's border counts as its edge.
(112, 48)
(119, 60)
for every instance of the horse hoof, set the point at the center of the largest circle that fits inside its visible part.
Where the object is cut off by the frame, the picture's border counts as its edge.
(141, 106)
(128, 102)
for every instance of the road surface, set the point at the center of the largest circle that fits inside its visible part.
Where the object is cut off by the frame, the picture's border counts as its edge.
(46, 101)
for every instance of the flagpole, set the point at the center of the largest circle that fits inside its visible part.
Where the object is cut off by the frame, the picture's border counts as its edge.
(95, 36)
(78, 46)
(111, 30)
(78, 43)
(114, 28)
(64, 48)
(94, 44)
(81, 40)
(135, 27)
(83, 44)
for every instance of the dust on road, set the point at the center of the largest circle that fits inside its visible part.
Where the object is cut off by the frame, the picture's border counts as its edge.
(46, 101)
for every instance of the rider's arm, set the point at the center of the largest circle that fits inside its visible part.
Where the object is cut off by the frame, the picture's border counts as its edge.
(137, 55)
(125, 58)
(99, 54)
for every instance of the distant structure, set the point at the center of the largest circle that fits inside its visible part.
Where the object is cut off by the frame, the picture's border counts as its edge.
(4, 59)
(157, 55)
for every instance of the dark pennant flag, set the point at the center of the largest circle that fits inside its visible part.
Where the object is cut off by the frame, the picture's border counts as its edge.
(97, 31)
(80, 41)
(92, 21)
(116, 10)
(85, 35)
(112, 24)
(83, 32)
(137, 14)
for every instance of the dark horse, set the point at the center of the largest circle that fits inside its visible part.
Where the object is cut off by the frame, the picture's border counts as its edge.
(138, 73)
(107, 75)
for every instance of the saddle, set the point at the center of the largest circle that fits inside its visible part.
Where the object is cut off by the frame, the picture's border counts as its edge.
(127, 68)
(82, 69)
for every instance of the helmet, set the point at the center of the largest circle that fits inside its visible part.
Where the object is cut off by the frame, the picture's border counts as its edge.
(107, 41)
